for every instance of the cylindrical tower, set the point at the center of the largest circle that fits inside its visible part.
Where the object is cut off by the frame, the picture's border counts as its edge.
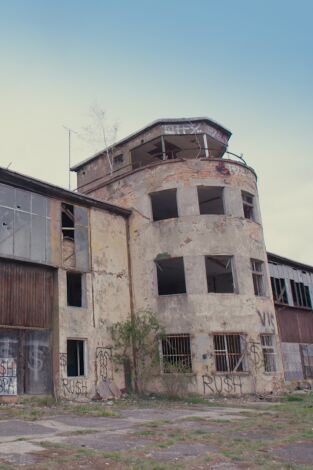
(198, 260)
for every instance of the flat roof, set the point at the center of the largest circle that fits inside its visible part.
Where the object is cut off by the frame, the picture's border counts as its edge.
(289, 262)
(157, 122)
(46, 189)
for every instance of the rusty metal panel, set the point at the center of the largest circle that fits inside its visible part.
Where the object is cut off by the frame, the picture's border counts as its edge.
(26, 295)
(295, 326)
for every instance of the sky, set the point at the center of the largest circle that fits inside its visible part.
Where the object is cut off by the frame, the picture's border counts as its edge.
(246, 64)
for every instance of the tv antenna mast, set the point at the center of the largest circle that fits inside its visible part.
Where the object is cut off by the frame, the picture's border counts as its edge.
(70, 131)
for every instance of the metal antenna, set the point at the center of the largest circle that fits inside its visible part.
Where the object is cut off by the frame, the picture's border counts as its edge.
(69, 130)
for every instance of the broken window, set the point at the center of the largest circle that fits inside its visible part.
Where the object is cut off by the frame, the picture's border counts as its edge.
(75, 358)
(300, 294)
(210, 200)
(74, 289)
(229, 352)
(68, 221)
(118, 160)
(269, 352)
(219, 274)
(171, 276)
(75, 248)
(248, 205)
(176, 353)
(258, 277)
(307, 360)
(279, 290)
(164, 204)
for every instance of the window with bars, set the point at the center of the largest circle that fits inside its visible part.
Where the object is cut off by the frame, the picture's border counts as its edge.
(300, 294)
(279, 290)
(229, 352)
(176, 353)
(269, 352)
(248, 205)
(258, 277)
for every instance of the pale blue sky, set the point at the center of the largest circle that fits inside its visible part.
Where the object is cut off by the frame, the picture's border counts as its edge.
(246, 64)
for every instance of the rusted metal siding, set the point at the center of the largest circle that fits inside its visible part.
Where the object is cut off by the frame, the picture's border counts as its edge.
(26, 295)
(295, 326)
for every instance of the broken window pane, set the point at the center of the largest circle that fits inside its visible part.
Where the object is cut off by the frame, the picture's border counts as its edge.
(300, 294)
(219, 274)
(171, 276)
(258, 277)
(6, 231)
(229, 352)
(269, 353)
(164, 204)
(75, 358)
(67, 221)
(279, 290)
(176, 353)
(74, 289)
(248, 205)
(210, 200)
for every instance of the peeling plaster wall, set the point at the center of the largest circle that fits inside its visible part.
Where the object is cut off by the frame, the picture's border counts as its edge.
(107, 301)
(193, 236)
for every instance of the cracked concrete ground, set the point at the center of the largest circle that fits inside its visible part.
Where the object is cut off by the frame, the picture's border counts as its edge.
(164, 436)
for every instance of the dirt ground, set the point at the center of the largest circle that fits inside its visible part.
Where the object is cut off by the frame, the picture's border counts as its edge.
(157, 433)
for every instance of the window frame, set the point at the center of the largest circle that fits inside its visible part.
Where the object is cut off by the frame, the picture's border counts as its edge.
(258, 276)
(269, 353)
(84, 342)
(300, 298)
(178, 357)
(248, 206)
(231, 260)
(222, 190)
(152, 202)
(279, 289)
(158, 263)
(242, 360)
(83, 303)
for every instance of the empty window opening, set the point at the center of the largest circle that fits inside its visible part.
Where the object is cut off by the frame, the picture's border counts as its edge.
(258, 277)
(68, 221)
(164, 204)
(74, 289)
(210, 200)
(300, 294)
(75, 358)
(171, 276)
(219, 274)
(307, 360)
(229, 352)
(118, 160)
(176, 353)
(269, 352)
(279, 290)
(248, 205)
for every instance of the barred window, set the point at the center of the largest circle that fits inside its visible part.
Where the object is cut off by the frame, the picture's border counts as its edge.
(258, 277)
(176, 353)
(269, 352)
(300, 294)
(279, 290)
(229, 352)
(248, 205)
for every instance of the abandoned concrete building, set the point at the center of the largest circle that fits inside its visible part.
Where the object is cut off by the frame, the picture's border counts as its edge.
(63, 276)
(292, 286)
(167, 221)
(198, 257)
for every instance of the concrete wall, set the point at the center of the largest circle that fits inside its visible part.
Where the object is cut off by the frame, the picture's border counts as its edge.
(193, 236)
(107, 301)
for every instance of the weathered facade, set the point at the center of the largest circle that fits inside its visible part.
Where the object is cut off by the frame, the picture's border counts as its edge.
(292, 285)
(197, 252)
(63, 282)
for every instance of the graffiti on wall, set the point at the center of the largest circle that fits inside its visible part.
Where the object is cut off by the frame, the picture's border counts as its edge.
(104, 363)
(222, 384)
(8, 379)
(267, 320)
(71, 388)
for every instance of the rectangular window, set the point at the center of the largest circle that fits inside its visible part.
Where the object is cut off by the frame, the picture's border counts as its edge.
(219, 274)
(248, 205)
(164, 204)
(300, 294)
(279, 290)
(258, 277)
(176, 353)
(74, 289)
(229, 352)
(210, 200)
(68, 221)
(307, 360)
(75, 358)
(171, 276)
(269, 352)
(118, 160)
